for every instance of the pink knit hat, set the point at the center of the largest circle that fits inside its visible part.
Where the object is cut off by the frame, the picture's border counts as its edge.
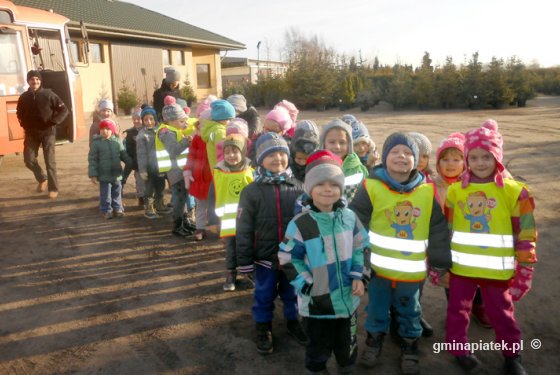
(204, 105)
(489, 140)
(282, 117)
(292, 110)
(453, 140)
(238, 126)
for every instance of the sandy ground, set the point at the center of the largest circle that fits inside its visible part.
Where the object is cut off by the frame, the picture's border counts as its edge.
(80, 294)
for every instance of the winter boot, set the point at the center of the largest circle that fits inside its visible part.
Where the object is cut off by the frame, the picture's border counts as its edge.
(469, 363)
(179, 229)
(231, 279)
(264, 338)
(188, 220)
(296, 331)
(372, 351)
(513, 366)
(149, 209)
(161, 207)
(410, 356)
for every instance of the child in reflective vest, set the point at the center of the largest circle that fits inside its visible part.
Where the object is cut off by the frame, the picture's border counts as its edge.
(493, 247)
(231, 175)
(323, 257)
(407, 229)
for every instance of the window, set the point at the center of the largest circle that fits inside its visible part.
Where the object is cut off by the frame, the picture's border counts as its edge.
(167, 57)
(12, 63)
(96, 50)
(203, 76)
(181, 58)
(77, 50)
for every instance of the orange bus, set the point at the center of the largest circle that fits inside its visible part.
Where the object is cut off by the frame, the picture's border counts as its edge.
(36, 39)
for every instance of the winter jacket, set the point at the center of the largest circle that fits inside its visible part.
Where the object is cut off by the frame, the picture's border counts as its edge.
(40, 110)
(322, 253)
(161, 93)
(174, 148)
(104, 159)
(94, 128)
(130, 145)
(438, 251)
(197, 164)
(353, 166)
(253, 120)
(212, 133)
(146, 151)
(263, 214)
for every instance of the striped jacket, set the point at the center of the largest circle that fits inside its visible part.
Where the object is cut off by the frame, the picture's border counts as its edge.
(322, 253)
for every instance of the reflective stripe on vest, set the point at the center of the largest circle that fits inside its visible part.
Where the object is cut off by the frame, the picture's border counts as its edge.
(397, 244)
(229, 208)
(164, 161)
(228, 187)
(483, 239)
(355, 179)
(390, 263)
(483, 261)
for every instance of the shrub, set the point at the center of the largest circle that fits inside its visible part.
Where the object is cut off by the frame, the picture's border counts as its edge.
(127, 98)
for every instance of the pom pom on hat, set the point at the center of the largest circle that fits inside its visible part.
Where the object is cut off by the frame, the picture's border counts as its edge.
(222, 110)
(269, 143)
(490, 124)
(399, 139)
(106, 104)
(238, 102)
(108, 124)
(204, 105)
(424, 144)
(172, 111)
(323, 166)
(183, 104)
(281, 116)
(238, 126)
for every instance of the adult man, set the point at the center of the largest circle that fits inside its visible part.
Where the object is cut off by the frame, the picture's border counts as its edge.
(169, 86)
(39, 111)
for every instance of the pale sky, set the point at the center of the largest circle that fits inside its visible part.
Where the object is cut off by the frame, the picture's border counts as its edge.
(394, 30)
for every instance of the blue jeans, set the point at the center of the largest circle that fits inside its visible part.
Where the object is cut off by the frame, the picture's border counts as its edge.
(404, 296)
(271, 283)
(110, 196)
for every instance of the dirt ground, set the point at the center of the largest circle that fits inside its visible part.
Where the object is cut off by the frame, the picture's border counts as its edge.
(83, 295)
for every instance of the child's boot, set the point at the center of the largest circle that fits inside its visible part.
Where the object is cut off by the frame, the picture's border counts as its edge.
(179, 229)
(161, 207)
(231, 279)
(296, 331)
(372, 351)
(149, 209)
(188, 220)
(410, 356)
(513, 366)
(264, 338)
(469, 363)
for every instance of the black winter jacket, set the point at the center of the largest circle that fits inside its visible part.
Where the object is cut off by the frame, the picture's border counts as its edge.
(130, 146)
(263, 215)
(161, 93)
(40, 110)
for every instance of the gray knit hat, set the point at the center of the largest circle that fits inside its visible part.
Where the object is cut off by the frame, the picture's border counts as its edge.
(238, 102)
(424, 144)
(322, 166)
(171, 75)
(337, 123)
(172, 111)
(399, 139)
(269, 143)
(305, 138)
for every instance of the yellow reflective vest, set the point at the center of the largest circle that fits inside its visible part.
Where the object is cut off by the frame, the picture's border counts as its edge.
(228, 186)
(482, 245)
(164, 160)
(398, 230)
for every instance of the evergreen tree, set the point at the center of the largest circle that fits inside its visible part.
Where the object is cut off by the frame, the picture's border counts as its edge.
(497, 90)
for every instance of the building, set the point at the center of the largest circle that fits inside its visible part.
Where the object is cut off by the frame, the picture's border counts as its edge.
(237, 70)
(125, 43)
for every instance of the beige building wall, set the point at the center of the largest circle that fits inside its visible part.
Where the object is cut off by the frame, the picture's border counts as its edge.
(210, 57)
(96, 82)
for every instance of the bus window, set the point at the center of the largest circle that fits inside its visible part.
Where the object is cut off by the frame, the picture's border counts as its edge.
(47, 51)
(12, 63)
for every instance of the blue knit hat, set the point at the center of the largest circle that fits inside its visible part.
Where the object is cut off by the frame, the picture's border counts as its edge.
(269, 143)
(359, 130)
(222, 110)
(147, 110)
(399, 139)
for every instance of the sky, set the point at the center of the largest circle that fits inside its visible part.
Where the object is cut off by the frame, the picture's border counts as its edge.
(396, 31)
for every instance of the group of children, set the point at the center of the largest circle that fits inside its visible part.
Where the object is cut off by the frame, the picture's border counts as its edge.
(319, 216)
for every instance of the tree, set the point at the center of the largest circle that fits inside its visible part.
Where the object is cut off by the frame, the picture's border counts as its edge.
(496, 88)
(446, 87)
(424, 83)
(127, 98)
(519, 80)
(187, 92)
(472, 83)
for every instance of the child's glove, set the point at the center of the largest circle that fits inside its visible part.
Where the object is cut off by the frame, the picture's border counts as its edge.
(522, 281)
(187, 175)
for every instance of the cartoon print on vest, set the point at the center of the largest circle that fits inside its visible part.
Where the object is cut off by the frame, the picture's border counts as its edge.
(235, 187)
(403, 220)
(477, 211)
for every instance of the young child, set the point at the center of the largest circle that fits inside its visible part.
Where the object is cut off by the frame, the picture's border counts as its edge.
(130, 147)
(171, 149)
(293, 112)
(265, 208)
(104, 168)
(234, 126)
(406, 229)
(364, 146)
(493, 246)
(231, 175)
(424, 151)
(305, 141)
(276, 121)
(323, 244)
(247, 113)
(104, 111)
(154, 182)
(337, 138)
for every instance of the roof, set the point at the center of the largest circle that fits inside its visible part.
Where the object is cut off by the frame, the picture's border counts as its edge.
(125, 19)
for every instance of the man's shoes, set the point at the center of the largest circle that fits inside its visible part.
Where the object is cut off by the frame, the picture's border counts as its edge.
(427, 329)
(296, 331)
(479, 315)
(42, 186)
(119, 213)
(469, 363)
(229, 285)
(53, 194)
(513, 366)
(108, 215)
(264, 338)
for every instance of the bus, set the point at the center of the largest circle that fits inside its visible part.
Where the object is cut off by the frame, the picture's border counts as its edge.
(36, 39)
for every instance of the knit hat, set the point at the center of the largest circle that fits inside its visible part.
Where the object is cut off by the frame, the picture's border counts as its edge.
(108, 124)
(34, 73)
(399, 139)
(238, 102)
(454, 140)
(147, 110)
(171, 75)
(488, 140)
(292, 110)
(222, 110)
(236, 140)
(137, 112)
(183, 103)
(337, 123)
(282, 117)
(269, 143)
(172, 111)
(323, 166)
(204, 105)
(106, 104)
(238, 126)
(424, 144)
(349, 119)
(306, 137)
(359, 130)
